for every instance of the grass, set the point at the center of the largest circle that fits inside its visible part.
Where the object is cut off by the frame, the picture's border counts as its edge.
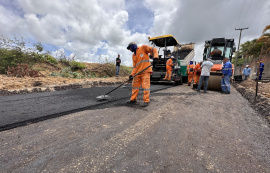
(14, 52)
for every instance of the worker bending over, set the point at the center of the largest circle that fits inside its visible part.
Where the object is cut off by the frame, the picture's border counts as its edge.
(190, 72)
(226, 75)
(169, 65)
(141, 61)
(197, 74)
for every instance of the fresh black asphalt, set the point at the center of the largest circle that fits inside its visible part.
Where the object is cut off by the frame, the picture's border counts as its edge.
(19, 110)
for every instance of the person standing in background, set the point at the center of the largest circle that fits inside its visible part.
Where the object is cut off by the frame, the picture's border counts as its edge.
(169, 65)
(190, 72)
(226, 75)
(118, 62)
(246, 72)
(197, 74)
(205, 74)
(261, 70)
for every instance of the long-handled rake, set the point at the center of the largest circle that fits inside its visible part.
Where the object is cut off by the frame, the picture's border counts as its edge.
(106, 96)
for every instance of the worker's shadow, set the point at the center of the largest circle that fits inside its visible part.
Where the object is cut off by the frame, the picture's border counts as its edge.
(176, 94)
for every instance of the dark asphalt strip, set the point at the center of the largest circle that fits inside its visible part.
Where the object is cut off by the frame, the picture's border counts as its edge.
(99, 105)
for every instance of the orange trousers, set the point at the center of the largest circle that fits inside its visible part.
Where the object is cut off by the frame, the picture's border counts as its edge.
(142, 80)
(168, 75)
(196, 79)
(190, 77)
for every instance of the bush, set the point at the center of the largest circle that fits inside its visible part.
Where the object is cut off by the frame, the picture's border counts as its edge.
(68, 73)
(50, 59)
(76, 65)
(11, 58)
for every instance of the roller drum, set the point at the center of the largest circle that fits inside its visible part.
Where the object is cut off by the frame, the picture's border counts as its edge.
(214, 83)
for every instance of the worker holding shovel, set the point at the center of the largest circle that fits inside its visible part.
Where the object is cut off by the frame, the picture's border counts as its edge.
(141, 61)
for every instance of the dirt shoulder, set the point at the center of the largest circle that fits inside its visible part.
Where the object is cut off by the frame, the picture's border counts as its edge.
(24, 85)
(262, 102)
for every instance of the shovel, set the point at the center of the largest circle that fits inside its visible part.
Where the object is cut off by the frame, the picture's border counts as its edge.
(106, 96)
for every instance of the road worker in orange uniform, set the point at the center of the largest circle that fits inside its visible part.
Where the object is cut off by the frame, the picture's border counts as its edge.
(190, 72)
(141, 61)
(197, 74)
(169, 65)
(216, 52)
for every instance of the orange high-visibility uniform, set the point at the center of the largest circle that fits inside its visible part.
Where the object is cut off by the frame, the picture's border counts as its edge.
(197, 73)
(169, 65)
(141, 61)
(190, 69)
(216, 52)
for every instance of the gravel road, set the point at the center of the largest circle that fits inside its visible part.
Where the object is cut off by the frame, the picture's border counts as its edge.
(180, 131)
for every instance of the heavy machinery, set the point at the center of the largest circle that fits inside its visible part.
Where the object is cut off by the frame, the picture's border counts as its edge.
(185, 53)
(159, 68)
(227, 47)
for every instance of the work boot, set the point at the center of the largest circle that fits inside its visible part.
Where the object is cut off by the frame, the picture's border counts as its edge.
(223, 92)
(131, 102)
(145, 104)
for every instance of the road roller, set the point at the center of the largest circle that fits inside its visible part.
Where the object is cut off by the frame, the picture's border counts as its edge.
(218, 48)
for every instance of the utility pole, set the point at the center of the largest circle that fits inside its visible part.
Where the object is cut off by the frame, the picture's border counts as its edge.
(235, 63)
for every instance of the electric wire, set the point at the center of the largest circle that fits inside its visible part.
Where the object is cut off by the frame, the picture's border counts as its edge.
(246, 12)
(240, 13)
(257, 11)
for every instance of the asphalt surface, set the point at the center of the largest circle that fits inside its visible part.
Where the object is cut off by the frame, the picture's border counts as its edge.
(18, 110)
(180, 131)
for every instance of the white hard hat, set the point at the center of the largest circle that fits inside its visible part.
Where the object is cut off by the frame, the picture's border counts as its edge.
(247, 65)
(172, 56)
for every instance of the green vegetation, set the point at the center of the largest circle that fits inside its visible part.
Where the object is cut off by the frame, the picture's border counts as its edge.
(14, 52)
(252, 49)
(76, 65)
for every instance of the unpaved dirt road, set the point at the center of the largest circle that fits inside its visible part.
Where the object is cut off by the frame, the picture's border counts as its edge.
(180, 131)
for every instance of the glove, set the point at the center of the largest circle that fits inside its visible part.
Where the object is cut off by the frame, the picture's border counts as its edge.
(155, 60)
(130, 77)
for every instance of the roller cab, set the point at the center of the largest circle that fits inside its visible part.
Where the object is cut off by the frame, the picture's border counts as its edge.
(217, 48)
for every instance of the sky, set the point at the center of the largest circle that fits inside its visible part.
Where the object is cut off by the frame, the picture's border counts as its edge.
(96, 31)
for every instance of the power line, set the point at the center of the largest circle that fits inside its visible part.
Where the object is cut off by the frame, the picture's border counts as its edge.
(257, 11)
(240, 13)
(247, 12)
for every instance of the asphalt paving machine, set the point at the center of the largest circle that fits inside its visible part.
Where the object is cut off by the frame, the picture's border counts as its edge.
(227, 47)
(159, 68)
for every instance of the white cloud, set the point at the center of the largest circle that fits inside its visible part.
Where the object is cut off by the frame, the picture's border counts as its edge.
(94, 28)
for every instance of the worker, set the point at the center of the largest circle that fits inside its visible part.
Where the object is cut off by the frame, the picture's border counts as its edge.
(246, 72)
(226, 75)
(205, 74)
(141, 61)
(197, 74)
(118, 62)
(216, 52)
(169, 65)
(260, 70)
(190, 72)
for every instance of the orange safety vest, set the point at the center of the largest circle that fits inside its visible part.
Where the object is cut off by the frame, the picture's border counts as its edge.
(197, 68)
(216, 52)
(169, 64)
(190, 69)
(141, 59)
